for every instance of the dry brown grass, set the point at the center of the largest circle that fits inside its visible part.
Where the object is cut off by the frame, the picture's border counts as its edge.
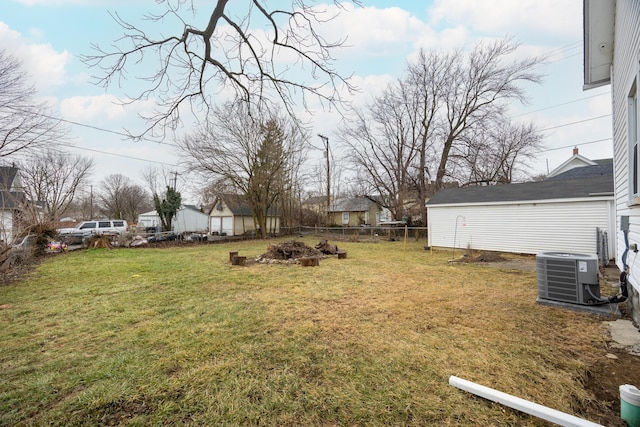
(179, 335)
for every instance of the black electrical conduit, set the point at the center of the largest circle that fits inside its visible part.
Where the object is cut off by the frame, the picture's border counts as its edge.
(624, 291)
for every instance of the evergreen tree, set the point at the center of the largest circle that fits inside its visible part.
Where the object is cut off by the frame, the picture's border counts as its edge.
(167, 207)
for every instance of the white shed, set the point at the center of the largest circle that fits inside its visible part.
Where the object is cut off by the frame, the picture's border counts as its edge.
(148, 220)
(190, 219)
(555, 215)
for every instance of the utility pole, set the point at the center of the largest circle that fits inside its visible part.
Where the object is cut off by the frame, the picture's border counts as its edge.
(175, 180)
(326, 154)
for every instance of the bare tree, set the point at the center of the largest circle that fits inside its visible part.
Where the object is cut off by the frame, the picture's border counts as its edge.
(121, 198)
(428, 127)
(494, 153)
(255, 153)
(239, 50)
(24, 122)
(479, 87)
(383, 146)
(53, 179)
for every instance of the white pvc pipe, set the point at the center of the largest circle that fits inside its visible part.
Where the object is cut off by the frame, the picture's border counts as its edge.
(544, 412)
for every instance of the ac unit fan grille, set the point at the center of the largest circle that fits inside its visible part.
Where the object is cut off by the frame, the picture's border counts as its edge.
(561, 280)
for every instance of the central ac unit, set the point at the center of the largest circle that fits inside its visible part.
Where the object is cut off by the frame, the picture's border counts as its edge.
(568, 277)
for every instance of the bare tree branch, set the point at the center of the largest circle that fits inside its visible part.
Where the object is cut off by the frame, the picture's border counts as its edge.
(195, 64)
(24, 123)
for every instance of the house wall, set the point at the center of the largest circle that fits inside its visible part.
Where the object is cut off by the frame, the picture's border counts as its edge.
(625, 69)
(529, 228)
(242, 224)
(6, 227)
(356, 219)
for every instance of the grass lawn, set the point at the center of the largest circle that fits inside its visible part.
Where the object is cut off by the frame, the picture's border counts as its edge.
(179, 336)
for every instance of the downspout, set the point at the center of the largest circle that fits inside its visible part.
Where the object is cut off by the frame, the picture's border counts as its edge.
(540, 411)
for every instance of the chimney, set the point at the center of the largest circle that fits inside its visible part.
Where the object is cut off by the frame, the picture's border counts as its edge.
(575, 151)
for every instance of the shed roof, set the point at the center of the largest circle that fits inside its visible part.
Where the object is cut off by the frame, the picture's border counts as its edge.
(528, 191)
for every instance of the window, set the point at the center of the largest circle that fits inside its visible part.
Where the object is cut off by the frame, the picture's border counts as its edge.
(88, 225)
(104, 224)
(345, 218)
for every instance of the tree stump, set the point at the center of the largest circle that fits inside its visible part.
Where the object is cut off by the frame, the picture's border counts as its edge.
(231, 255)
(342, 254)
(238, 260)
(309, 261)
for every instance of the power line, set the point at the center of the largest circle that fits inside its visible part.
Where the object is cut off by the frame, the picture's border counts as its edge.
(117, 155)
(575, 123)
(114, 132)
(561, 104)
(575, 145)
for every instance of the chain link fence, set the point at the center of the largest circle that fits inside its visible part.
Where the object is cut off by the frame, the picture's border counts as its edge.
(358, 233)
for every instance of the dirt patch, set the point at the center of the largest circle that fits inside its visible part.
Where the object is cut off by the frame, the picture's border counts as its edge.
(17, 266)
(610, 369)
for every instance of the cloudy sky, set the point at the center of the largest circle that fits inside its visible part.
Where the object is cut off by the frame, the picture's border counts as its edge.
(49, 36)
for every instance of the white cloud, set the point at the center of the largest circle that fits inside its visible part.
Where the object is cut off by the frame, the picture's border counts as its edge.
(550, 18)
(57, 3)
(45, 66)
(371, 32)
(88, 109)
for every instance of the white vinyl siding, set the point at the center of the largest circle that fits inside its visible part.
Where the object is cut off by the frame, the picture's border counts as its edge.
(528, 227)
(189, 220)
(625, 86)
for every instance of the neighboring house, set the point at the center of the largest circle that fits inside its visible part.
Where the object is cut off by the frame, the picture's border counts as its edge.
(230, 215)
(612, 55)
(190, 219)
(559, 214)
(354, 212)
(576, 161)
(12, 200)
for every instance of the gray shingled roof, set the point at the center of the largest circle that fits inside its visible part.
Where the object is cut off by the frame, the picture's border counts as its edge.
(238, 204)
(7, 175)
(602, 169)
(527, 191)
(9, 199)
(351, 204)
